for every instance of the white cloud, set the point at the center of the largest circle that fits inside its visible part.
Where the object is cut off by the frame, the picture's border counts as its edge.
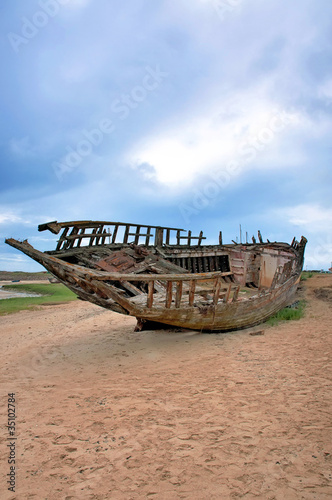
(238, 129)
(11, 218)
(22, 148)
(312, 217)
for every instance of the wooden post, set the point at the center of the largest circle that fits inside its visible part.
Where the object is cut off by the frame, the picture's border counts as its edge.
(126, 234)
(227, 294)
(62, 238)
(189, 238)
(168, 233)
(82, 231)
(220, 237)
(103, 238)
(148, 236)
(73, 233)
(159, 237)
(169, 294)
(116, 227)
(178, 234)
(137, 235)
(236, 293)
(260, 237)
(200, 237)
(150, 294)
(99, 231)
(192, 286)
(178, 295)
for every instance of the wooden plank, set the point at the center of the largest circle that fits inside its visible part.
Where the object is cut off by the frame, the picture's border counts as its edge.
(169, 294)
(216, 291)
(205, 264)
(150, 294)
(192, 287)
(178, 296)
(104, 276)
(131, 288)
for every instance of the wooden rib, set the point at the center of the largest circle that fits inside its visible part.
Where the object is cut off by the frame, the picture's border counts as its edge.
(192, 287)
(169, 294)
(150, 294)
(178, 295)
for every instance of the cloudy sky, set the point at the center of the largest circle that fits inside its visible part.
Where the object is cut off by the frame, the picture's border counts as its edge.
(197, 114)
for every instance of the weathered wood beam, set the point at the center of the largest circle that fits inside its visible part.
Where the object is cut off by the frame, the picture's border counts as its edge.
(150, 294)
(178, 295)
(236, 293)
(192, 287)
(169, 294)
(216, 291)
(227, 294)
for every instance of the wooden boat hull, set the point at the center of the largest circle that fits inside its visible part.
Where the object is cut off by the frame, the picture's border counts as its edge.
(210, 301)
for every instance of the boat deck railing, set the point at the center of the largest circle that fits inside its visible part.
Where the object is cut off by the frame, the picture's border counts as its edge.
(164, 289)
(89, 233)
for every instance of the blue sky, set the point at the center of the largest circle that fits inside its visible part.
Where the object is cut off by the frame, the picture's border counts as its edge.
(199, 114)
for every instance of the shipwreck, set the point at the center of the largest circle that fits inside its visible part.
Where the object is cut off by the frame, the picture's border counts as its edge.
(167, 276)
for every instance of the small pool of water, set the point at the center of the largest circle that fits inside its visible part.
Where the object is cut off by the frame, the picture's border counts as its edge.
(12, 294)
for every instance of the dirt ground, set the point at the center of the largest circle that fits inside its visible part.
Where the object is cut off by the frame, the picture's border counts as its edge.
(106, 413)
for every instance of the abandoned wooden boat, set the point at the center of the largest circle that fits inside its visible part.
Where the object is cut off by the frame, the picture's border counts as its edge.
(167, 276)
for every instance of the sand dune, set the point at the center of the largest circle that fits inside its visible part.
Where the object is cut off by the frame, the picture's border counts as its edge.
(104, 412)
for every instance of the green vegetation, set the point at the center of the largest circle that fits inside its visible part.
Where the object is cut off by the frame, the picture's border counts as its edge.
(54, 293)
(305, 275)
(287, 314)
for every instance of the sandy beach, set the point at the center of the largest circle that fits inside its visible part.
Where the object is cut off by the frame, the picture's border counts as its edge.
(104, 412)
